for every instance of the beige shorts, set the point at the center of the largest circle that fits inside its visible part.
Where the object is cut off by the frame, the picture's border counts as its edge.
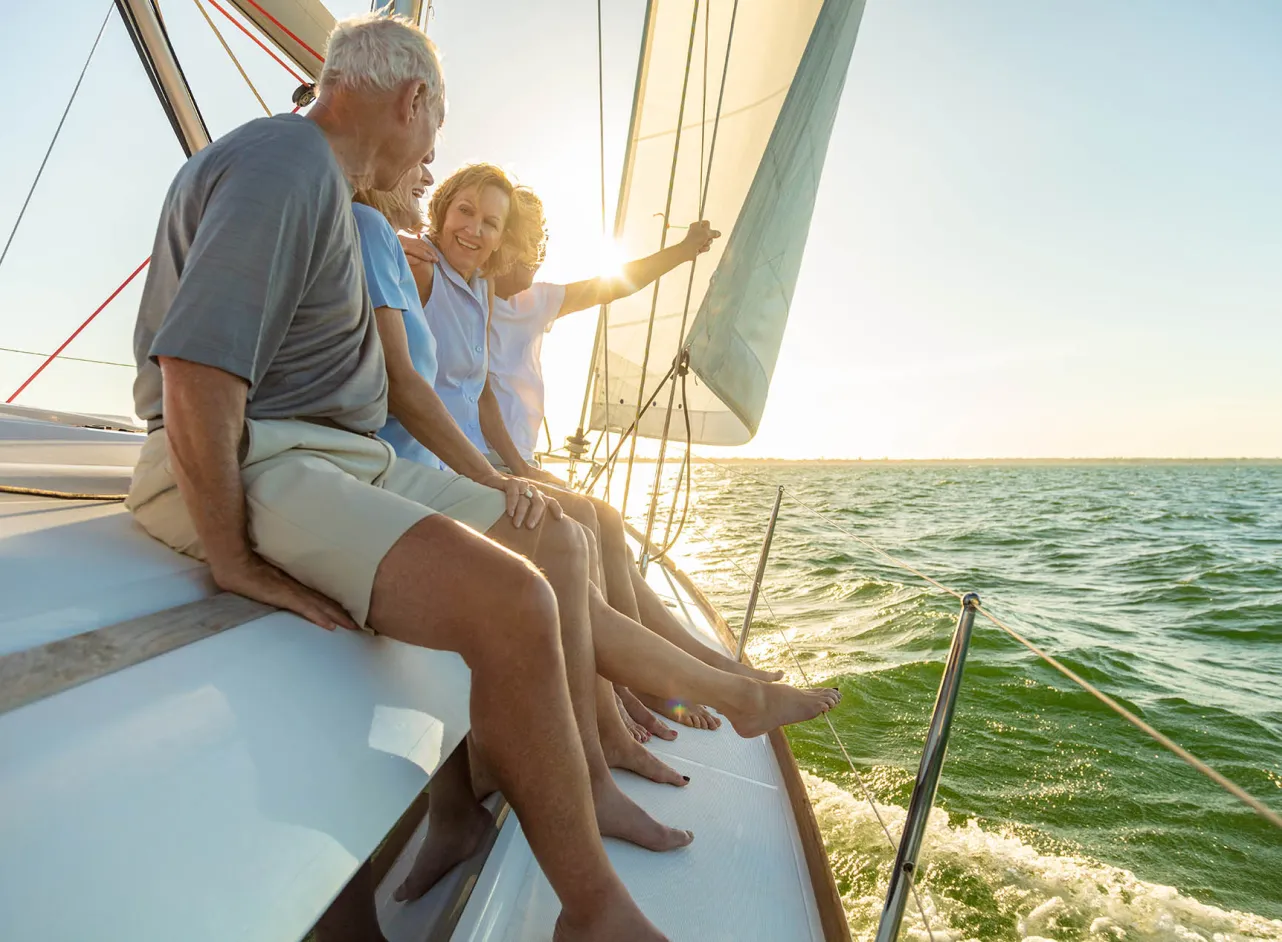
(324, 505)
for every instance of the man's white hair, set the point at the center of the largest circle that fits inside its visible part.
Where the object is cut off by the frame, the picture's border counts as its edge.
(383, 52)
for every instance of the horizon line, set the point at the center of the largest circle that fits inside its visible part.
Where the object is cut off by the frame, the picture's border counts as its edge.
(1116, 459)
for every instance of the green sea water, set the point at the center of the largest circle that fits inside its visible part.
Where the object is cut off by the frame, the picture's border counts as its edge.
(1159, 582)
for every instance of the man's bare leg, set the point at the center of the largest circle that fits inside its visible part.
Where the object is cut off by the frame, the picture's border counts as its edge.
(438, 587)
(632, 655)
(559, 548)
(456, 825)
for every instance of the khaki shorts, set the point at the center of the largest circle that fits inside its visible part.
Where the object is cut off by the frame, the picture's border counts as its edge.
(324, 505)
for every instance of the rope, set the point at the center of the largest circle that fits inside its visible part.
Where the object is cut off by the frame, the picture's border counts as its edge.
(59, 495)
(863, 786)
(33, 353)
(670, 538)
(623, 439)
(1228, 785)
(76, 333)
(261, 45)
(57, 131)
(231, 55)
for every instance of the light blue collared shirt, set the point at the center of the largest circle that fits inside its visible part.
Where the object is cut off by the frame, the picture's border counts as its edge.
(457, 313)
(391, 284)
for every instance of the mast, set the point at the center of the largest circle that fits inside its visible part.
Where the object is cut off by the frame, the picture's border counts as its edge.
(147, 30)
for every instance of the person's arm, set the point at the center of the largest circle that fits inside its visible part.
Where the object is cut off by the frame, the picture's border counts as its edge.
(204, 409)
(422, 257)
(495, 431)
(636, 275)
(413, 401)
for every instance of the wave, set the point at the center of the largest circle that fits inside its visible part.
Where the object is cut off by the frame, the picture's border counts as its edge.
(984, 885)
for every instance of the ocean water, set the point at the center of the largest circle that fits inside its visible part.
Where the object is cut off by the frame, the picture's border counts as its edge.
(1159, 582)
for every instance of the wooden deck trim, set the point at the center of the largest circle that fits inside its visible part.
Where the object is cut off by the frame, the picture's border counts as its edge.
(832, 914)
(31, 675)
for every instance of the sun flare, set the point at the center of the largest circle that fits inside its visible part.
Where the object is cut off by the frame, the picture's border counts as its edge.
(610, 258)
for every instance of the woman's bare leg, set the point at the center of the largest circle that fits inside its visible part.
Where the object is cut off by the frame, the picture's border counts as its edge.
(642, 716)
(632, 655)
(621, 750)
(559, 548)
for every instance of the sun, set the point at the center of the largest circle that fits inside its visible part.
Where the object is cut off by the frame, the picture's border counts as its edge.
(610, 258)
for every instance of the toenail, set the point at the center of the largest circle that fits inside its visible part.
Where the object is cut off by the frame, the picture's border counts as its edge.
(686, 777)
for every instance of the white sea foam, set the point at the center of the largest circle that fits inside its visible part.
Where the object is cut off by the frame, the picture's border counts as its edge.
(980, 885)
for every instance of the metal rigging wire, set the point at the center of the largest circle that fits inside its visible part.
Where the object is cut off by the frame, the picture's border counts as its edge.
(57, 131)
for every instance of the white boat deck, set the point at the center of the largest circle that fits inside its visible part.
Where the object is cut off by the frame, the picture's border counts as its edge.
(226, 790)
(229, 789)
(743, 878)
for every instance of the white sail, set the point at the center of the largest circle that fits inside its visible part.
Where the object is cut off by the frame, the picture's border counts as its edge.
(308, 20)
(783, 76)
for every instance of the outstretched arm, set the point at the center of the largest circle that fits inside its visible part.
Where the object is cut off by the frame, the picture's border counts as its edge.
(636, 275)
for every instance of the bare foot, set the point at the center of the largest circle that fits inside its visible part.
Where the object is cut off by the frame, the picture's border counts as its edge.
(619, 816)
(618, 923)
(683, 712)
(637, 710)
(635, 729)
(449, 843)
(768, 706)
(624, 753)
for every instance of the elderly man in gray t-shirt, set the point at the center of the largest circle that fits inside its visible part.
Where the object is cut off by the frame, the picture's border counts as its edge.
(261, 379)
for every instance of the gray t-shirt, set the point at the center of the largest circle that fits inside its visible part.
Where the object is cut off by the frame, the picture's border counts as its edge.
(257, 270)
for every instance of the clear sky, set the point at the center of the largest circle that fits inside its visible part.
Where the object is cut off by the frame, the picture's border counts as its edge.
(1043, 230)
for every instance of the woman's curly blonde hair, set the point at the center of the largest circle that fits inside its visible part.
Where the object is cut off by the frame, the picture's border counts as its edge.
(524, 236)
(529, 234)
